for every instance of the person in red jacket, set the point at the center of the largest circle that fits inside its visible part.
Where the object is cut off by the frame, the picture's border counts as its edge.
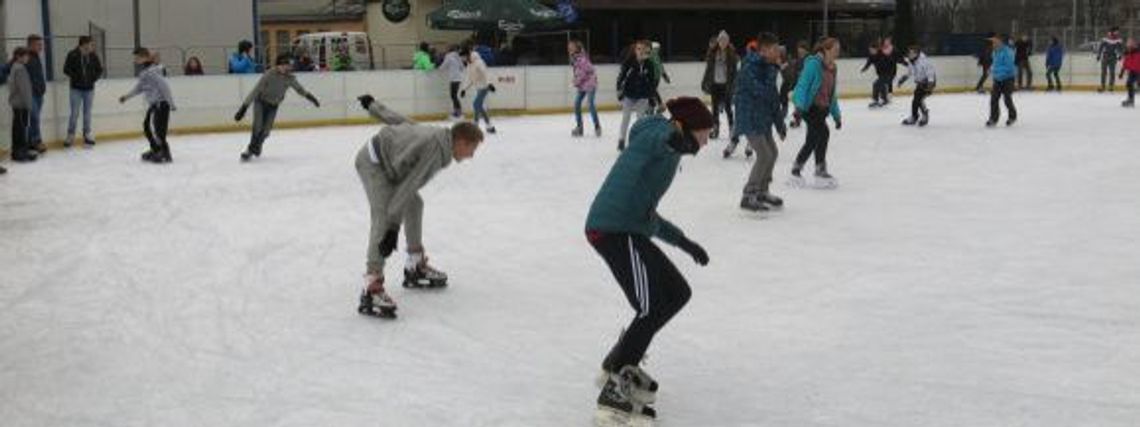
(1132, 66)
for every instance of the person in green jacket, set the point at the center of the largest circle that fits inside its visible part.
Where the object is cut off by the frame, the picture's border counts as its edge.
(621, 222)
(817, 96)
(421, 60)
(658, 68)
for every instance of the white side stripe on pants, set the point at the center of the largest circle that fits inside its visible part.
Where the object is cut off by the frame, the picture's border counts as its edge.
(640, 280)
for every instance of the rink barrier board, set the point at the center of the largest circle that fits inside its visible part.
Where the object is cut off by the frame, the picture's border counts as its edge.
(206, 103)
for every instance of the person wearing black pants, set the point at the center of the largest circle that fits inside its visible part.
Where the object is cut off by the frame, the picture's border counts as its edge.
(154, 126)
(818, 136)
(622, 220)
(160, 103)
(1024, 49)
(21, 101)
(1002, 90)
(1004, 72)
(985, 60)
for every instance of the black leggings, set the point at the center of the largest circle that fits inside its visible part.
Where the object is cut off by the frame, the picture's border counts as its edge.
(455, 107)
(154, 126)
(652, 285)
(817, 137)
(880, 89)
(982, 80)
(1002, 89)
(918, 104)
(721, 99)
(1053, 75)
(20, 148)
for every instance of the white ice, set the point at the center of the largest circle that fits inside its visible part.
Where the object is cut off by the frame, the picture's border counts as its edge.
(961, 276)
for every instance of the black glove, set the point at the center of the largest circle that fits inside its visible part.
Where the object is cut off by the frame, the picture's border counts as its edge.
(366, 101)
(463, 93)
(491, 88)
(696, 251)
(838, 124)
(902, 81)
(389, 243)
(240, 113)
(314, 100)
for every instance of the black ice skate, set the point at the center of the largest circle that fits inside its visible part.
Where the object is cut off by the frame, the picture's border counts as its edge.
(377, 304)
(1128, 103)
(617, 405)
(491, 130)
(424, 277)
(910, 121)
(621, 145)
(577, 132)
(823, 179)
(597, 131)
(753, 203)
(1011, 121)
(991, 123)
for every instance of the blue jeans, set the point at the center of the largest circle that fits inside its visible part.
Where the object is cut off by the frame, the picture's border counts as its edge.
(34, 136)
(578, 108)
(80, 97)
(480, 110)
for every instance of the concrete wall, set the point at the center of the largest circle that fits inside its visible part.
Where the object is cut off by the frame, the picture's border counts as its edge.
(208, 102)
(203, 28)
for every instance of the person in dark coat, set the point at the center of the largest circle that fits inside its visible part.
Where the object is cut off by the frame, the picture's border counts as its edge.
(720, 76)
(885, 70)
(84, 69)
(985, 61)
(1024, 49)
(35, 46)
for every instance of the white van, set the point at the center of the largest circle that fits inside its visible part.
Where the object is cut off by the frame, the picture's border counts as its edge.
(354, 47)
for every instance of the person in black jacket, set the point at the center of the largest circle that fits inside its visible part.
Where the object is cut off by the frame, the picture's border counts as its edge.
(635, 87)
(84, 69)
(1024, 48)
(35, 46)
(985, 61)
(885, 70)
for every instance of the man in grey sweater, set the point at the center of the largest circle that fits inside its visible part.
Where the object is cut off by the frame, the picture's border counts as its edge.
(266, 97)
(393, 166)
(20, 98)
(160, 103)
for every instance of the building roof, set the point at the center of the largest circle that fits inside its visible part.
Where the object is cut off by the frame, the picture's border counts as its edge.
(310, 10)
(780, 5)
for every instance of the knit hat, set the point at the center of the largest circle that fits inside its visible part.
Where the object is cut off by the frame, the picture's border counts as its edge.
(691, 112)
(723, 36)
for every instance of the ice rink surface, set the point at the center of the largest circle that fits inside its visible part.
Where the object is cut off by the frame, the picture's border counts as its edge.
(961, 276)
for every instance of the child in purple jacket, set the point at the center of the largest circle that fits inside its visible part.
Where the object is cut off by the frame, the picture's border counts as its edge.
(586, 82)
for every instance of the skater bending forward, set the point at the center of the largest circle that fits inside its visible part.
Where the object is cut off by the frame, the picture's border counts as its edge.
(621, 222)
(393, 166)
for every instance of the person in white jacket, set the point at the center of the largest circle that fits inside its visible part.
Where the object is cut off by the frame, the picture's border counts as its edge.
(477, 77)
(455, 70)
(921, 70)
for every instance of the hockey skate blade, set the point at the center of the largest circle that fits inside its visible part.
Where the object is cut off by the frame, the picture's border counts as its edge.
(606, 417)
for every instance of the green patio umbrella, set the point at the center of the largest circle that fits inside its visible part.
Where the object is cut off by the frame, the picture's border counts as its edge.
(506, 15)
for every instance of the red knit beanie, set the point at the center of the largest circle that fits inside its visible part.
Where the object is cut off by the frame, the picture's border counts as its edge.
(691, 112)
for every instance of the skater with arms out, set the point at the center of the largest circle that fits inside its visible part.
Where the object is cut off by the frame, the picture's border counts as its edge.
(266, 97)
(621, 222)
(393, 166)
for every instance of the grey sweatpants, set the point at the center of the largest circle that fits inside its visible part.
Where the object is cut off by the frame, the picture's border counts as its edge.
(766, 152)
(628, 107)
(379, 190)
(264, 115)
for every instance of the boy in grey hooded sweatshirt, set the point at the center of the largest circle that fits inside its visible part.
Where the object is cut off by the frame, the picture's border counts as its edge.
(266, 97)
(160, 103)
(393, 165)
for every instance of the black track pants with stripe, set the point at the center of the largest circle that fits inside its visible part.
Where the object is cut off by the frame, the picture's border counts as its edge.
(652, 284)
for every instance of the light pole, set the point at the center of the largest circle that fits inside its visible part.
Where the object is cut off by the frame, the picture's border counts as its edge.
(825, 17)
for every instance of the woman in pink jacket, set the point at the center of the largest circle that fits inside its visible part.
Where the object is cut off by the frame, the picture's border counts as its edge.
(586, 82)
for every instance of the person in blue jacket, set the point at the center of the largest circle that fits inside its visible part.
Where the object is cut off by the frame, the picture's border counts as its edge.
(241, 62)
(758, 111)
(621, 222)
(817, 96)
(1004, 72)
(1053, 60)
